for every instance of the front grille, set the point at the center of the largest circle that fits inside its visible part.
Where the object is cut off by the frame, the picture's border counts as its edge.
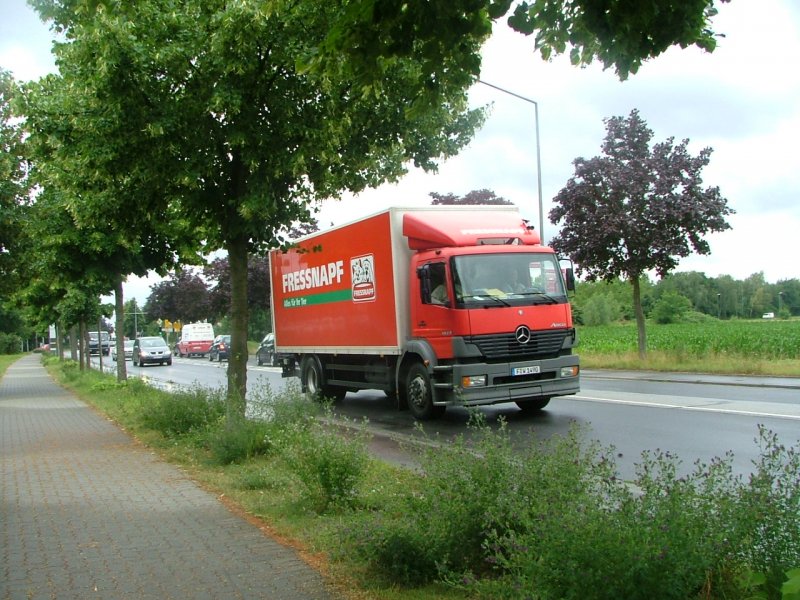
(505, 346)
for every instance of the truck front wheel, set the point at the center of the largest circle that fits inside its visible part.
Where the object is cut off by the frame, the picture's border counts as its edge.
(533, 404)
(419, 393)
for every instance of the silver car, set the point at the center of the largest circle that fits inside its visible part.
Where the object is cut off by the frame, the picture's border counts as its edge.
(151, 350)
(128, 348)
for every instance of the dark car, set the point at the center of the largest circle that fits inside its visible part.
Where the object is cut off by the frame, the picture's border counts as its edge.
(219, 349)
(266, 351)
(99, 341)
(151, 350)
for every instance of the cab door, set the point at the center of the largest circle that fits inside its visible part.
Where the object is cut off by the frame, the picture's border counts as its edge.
(433, 317)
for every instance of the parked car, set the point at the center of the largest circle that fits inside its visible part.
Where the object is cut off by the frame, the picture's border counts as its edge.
(128, 349)
(151, 350)
(219, 349)
(266, 351)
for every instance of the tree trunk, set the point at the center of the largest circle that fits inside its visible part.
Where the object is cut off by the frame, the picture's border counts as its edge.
(82, 349)
(119, 331)
(237, 353)
(74, 343)
(100, 342)
(60, 340)
(637, 309)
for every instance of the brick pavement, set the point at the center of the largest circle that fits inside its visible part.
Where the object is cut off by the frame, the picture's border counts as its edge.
(87, 513)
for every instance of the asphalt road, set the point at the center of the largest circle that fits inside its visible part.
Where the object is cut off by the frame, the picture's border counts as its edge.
(696, 417)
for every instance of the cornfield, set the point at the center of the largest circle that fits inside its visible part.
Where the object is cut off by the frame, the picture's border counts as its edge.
(755, 339)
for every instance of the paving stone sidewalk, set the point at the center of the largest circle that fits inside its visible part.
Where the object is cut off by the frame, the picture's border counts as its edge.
(87, 513)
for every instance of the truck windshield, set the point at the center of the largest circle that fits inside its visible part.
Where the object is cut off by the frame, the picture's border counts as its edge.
(508, 278)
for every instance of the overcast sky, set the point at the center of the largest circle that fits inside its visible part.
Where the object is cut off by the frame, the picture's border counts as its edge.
(743, 100)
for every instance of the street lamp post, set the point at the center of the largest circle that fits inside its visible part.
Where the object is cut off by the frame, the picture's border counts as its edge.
(780, 303)
(719, 306)
(538, 152)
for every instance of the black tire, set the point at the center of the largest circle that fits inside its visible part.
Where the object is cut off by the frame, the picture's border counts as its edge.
(532, 404)
(312, 378)
(419, 394)
(169, 362)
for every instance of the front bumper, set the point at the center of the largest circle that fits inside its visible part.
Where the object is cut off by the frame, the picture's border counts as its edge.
(502, 385)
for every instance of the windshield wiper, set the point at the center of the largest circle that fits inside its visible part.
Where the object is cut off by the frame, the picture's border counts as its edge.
(548, 299)
(498, 301)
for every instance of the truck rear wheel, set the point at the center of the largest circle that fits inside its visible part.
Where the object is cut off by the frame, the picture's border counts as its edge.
(533, 404)
(419, 393)
(312, 379)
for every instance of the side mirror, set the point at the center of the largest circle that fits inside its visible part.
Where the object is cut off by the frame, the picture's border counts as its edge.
(424, 275)
(570, 276)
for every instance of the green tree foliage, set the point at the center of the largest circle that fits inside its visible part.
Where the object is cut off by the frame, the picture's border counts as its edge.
(475, 197)
(670, 308)
(636, 208)
(13, 185)
(600, 309)
(367, 37)
(204, 110)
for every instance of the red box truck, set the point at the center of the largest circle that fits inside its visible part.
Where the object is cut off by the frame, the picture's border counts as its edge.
(436, 306)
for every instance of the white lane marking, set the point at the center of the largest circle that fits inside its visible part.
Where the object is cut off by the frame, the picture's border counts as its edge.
(699, 408)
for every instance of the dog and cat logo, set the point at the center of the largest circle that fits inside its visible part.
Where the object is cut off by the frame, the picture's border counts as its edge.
(362, 271)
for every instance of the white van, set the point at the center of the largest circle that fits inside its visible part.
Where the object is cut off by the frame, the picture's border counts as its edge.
(196, 339)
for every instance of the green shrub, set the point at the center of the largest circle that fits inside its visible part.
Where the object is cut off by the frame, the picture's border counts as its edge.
(670, 308)
(239, 440)
(444, 528)
(329, 461)
(10, 343)
(767, 527)
(179, 413)
(600, 309)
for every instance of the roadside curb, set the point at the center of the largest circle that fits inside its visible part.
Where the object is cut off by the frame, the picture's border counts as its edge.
(695, 378)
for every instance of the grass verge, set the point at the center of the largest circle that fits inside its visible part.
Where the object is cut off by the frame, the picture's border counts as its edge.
(7, 360)
(486, 520)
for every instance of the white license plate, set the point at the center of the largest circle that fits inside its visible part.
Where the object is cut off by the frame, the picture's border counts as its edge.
(525, 370)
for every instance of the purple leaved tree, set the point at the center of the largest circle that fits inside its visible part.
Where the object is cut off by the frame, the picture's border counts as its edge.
(636, 208)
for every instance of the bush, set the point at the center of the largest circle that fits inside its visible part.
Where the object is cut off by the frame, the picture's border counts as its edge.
(329, 461)
(180, 413)
(444, 527)
(600, 309)
(554, 521)
(10, 343)
(238, 440)
(670, 308)
(767, 528)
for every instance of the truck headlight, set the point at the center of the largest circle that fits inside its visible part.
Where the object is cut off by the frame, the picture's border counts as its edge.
(570, 371)
(472, 381)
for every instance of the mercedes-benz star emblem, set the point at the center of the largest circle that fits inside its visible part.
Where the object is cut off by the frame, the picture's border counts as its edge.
(523, 334)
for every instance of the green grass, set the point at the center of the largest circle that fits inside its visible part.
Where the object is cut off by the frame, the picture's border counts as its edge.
(732, 347)
(488, 519)
(7, 360)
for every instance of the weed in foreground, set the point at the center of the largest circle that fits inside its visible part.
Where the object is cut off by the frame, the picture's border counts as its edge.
(183, 412)
(329, 460)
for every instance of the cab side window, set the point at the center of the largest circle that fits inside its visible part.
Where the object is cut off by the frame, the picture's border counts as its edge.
(439, 294)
